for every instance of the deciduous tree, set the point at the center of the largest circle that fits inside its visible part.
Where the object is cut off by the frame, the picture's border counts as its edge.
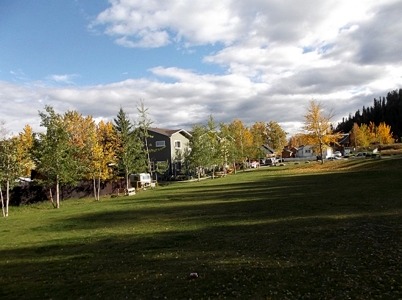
(104, 154)
(144, 123)
(318, 125)
(276, 136)
(199, 145)
(9, 169)
(54, 154)
(384, 134)
(259, 136)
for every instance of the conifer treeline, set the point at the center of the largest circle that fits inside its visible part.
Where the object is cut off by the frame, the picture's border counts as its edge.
(386, 109)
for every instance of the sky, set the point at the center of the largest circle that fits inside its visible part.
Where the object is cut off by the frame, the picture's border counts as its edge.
(253, 60)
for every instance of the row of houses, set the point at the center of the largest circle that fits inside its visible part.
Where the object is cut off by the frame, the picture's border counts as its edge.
(169, 145)
(308, 151)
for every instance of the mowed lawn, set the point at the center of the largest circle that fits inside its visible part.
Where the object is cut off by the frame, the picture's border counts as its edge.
(306, 231)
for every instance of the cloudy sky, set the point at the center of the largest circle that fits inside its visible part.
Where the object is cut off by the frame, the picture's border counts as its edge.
(255, 60)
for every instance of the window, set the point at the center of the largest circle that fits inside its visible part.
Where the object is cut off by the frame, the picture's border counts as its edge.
(177, 144)
(160, 144)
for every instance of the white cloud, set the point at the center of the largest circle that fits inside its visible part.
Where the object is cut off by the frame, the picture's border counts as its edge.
(62, 78)
(276, 56)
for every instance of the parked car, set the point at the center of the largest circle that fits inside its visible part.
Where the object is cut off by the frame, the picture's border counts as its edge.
(255, 164)
(337, 154)
(360, 155)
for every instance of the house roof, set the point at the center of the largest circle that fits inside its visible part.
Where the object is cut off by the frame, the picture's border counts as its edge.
(268, 149)
(344, 138)
(170, 132)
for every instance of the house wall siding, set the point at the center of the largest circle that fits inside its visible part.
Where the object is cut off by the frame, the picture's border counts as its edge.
(183, 145)
(159, 154)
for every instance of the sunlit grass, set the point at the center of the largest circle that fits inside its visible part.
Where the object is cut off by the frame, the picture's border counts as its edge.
(297, 231)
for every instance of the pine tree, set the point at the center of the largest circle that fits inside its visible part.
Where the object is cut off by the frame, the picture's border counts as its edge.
(130, 151)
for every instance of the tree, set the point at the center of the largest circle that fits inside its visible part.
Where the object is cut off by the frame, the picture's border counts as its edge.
(25, 142)
(54, 154)
(228, 147)
(81, 133)
(360, 135)
(15, 161)
(199, 158)
(384, 134)
(318, 125)
(130, 151)
(214, 154)
(276, 136)
(9, 169)
(104, 154)
(144, 124)
(259, 137)
(364, 135)
(299, 139)
(242, 138)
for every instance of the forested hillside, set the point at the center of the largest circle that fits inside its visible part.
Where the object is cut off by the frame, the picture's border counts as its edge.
(386, 109)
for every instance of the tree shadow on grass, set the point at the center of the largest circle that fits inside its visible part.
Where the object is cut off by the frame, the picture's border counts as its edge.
(314, 237)
(356, 257)
(194, 206)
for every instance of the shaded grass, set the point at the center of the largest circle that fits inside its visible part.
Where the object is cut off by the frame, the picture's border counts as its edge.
(310, 231)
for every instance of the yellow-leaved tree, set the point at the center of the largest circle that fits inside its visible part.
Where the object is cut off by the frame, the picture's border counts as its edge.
(384, 134)
(104, 152)
(259, 137)
(318, 126)
(25, 142)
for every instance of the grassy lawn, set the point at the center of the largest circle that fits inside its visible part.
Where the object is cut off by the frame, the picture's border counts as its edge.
(306, 231)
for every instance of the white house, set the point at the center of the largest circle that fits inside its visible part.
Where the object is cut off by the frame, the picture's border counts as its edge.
(305, 152)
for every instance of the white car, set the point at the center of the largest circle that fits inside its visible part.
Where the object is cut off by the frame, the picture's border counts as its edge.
(337, 154)
(255, 164)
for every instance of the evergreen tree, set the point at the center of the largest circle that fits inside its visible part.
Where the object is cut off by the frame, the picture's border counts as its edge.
(130, 151)
(386, 110)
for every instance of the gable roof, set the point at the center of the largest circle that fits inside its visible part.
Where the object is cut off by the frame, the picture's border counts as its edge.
(344, 138)
(170, 132)
(267, 149)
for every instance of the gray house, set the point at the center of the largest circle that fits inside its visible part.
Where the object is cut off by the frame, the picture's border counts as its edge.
(168, 145)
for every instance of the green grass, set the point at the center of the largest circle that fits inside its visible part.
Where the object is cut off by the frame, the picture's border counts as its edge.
(309, 231)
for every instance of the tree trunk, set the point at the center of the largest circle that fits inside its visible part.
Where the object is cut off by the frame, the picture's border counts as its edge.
(57, 193)
(322, 158)
(95, 191)
(98, 195)
(2, 202)
(51, 197)
(7, 196)
(127, 177)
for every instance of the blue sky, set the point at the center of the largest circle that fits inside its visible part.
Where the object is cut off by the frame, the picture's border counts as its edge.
(253, 60)
(43, 38)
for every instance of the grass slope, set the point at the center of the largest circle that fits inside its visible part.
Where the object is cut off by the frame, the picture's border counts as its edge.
(305, 231)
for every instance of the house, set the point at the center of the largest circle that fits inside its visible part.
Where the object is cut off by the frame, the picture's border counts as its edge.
(289, 152)
(168, 145)
(328, 152)
(268, 151)
(305, 151)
